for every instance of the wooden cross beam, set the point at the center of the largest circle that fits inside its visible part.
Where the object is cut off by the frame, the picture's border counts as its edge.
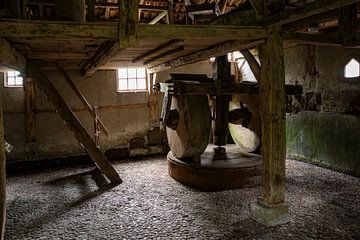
(253, 64)
(204, 54)
(10, 57)
(307, 10)
(158, 48)
(73, 123)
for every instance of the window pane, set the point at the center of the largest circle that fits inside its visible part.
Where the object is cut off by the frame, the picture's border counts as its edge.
(132, 84)
(132, 73)
(352, 69)
(19, 81)
(141, 73)
(122, 73)
(142, 83)
(123, 85)
(11, 81)
(11, 74)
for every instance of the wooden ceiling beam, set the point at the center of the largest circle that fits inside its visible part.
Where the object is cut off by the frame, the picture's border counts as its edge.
(10, 57)
(304, 11)
(164, 54)
(109, 31)
(214, 51)
(158, 48)
(105, 52)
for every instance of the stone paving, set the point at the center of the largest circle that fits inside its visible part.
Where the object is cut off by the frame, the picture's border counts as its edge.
(65, 204)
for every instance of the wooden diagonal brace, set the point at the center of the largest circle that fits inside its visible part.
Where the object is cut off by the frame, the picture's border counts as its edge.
(73, 123)
(84, 101)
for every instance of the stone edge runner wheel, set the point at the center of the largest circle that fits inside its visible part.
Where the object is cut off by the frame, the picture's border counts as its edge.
(191, 136)
(247, 138)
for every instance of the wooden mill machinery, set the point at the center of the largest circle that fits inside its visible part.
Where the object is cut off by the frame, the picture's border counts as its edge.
(190, 122)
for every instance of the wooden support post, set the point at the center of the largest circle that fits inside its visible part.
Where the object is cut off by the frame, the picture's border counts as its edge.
(272, 113)
(73, 123)
(153, 101)
(2, 177)
(253, 64)
(128, 22)
(348, 25)
(271, 209)
(91, 10)
(221, 74)
(30, 117)
(171, 11)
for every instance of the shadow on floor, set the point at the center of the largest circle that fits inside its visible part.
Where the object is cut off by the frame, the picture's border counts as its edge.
(36, 211)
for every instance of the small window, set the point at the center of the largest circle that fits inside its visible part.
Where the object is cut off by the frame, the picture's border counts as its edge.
(13, 79)
(131, 79)
(352, 69)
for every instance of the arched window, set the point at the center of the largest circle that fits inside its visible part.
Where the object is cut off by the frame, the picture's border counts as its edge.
(352, 69)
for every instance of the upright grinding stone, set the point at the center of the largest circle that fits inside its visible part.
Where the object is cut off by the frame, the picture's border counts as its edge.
(193, 131)
(246, 137)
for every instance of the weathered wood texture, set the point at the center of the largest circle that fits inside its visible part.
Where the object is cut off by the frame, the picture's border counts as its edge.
(109, 31)
(10, 57)
(84, 101)
(307, 10)
(128, 22)
(348, 25)
(156, 49)
(73, 123)
(30, 115)
(204, 54)
(253, 64)
(104, 53)
(153, 101)
(272, 113)
(221, 74)
(2, 177)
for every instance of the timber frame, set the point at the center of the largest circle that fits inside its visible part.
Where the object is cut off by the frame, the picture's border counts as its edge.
(92, 46)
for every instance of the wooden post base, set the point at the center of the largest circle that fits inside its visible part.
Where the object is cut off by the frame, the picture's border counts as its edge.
(270, 215)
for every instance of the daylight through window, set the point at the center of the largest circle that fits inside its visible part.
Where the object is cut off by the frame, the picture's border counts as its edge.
(13, 79)
(352, 69)
(131, 79)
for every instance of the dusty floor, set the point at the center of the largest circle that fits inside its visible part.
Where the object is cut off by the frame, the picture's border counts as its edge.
(58, 204)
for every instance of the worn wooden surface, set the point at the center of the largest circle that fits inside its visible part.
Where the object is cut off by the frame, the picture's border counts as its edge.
(10, 57)
(84, 101)
(153, 101)
(2, 177)
(73, 123)
(253, 63)
(272, 113)
(221, 74)
(30, 116)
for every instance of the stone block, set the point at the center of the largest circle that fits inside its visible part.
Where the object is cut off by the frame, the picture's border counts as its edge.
(271, 216)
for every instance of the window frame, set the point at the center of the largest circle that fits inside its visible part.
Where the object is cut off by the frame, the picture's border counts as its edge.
(343, 66)
(15, 85)
(137, 90)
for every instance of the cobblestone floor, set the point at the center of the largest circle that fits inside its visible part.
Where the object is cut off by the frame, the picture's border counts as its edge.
(59, 204)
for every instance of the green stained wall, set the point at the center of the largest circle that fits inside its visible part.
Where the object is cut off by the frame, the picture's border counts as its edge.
(328, 139)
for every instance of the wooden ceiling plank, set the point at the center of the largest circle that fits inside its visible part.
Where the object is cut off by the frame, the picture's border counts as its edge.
(204, 54)
(304, 11)
(167, 53)
(158, 48)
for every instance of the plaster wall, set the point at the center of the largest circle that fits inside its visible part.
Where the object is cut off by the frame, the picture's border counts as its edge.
(329, 136)
(125, 115)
